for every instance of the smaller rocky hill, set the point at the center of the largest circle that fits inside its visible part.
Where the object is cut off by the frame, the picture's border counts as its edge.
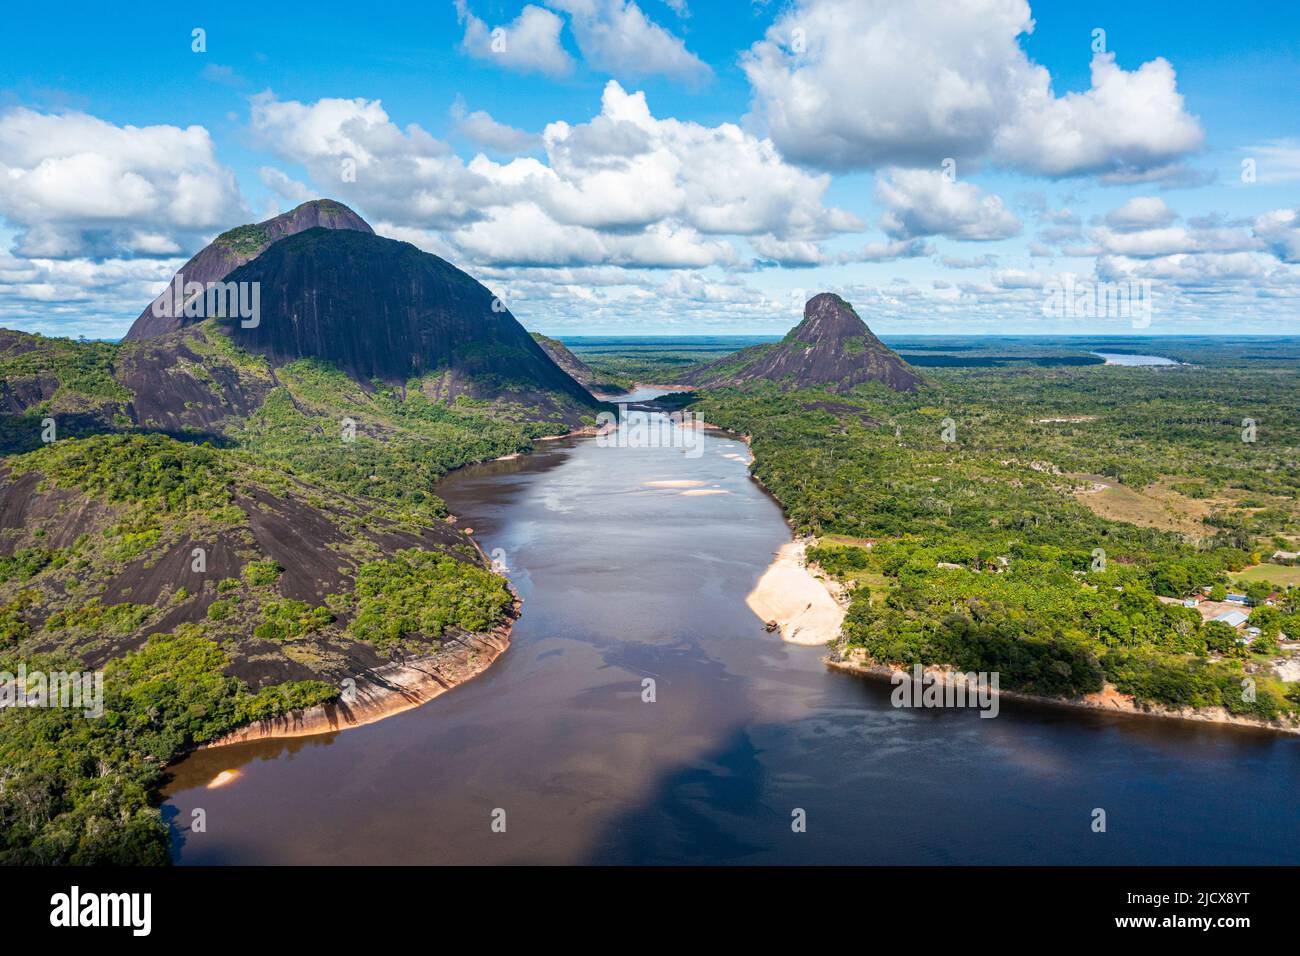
(831, 348)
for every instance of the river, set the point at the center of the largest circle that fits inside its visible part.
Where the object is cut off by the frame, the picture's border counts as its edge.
(556, 744)
(1134, 360)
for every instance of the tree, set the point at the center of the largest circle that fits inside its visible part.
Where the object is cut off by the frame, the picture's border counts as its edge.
(1268, 620)
(1220, 637)
(1258, 591)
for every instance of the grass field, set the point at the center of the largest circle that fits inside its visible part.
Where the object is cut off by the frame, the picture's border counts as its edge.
(876, 583)
(1279, 574)
(1156, 507)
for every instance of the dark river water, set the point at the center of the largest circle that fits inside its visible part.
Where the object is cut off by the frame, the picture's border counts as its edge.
(624, 581)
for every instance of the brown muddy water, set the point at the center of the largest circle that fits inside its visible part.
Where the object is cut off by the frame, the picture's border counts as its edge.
(623, 581)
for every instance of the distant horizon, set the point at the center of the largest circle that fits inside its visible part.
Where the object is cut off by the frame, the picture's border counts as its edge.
(928, 335)
(884, 336)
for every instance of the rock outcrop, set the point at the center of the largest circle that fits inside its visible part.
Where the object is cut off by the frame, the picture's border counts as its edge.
(232, 249)
(831, 348)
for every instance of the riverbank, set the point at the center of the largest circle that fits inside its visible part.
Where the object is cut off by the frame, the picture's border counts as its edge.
(400, 686)
(387, 690)
(800, 605)
(587, 431)
(1108, 699)
(787, 596)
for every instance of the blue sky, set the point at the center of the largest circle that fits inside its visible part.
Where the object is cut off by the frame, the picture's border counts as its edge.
(617, 167)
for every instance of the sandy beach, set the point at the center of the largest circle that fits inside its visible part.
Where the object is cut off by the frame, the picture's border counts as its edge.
(789, 594)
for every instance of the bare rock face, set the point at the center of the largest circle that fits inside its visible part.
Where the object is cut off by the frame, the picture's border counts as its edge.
(233, 248)
(579, 370)
(831, 348)
(373, 308)
(381, 309)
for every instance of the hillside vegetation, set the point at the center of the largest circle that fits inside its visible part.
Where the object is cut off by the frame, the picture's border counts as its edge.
(227, 540)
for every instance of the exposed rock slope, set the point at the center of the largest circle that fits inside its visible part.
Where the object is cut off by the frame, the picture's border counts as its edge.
(831, 348)
(232, 249)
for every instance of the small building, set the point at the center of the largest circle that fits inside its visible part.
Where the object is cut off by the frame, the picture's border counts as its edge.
(1232, 618)
(1236, 598)
(1191, 602)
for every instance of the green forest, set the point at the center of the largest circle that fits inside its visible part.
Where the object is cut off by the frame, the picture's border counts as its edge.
(961, 518)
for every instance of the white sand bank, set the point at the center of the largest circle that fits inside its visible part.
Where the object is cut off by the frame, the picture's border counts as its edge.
(800, 604)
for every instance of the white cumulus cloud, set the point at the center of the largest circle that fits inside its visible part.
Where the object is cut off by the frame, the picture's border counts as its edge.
(1125, 124)
(528, 44)
(862, 84)
(616, 37)
(1140, 212)
(625, 187)
(925, 202)
(1280, 232)
(75, 185)
(482, 130)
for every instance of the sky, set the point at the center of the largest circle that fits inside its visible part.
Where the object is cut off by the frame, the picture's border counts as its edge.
(678, 167)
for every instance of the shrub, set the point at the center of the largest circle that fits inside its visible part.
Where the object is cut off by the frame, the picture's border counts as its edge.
(260, 573)
(94, 616)
(219, 610)
(423, 593)
(282, 620)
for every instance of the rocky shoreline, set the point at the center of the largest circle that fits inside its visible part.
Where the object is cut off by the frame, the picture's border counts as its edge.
(399, 686)
(386, 690)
